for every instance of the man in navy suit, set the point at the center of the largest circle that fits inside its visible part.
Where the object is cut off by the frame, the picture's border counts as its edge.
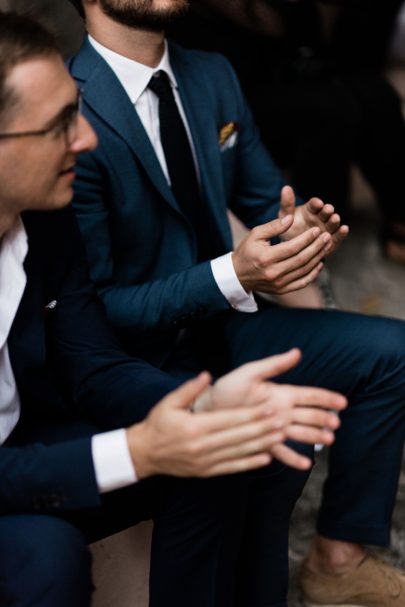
(164, 264)
(78, 421)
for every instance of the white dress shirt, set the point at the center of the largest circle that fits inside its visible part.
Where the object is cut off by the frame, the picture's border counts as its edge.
(134, 78)
(111, 457)
(13, 251)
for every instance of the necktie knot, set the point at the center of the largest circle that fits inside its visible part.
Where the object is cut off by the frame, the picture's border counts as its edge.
(160, 85)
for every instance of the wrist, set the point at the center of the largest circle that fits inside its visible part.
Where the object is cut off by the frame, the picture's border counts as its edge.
(243, 277)
(139, 451)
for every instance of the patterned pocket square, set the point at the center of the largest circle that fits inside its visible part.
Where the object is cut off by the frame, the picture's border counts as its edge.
(228, 135)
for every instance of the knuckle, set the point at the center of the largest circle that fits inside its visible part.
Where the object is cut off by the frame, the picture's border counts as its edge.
(271, 274)
(278, 283)
(194, 449)
(295, 248)
(192, 430)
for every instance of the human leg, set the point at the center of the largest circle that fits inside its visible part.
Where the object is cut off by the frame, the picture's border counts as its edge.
(363, 358)
(253, 557)
(44, 562)
(262, 579)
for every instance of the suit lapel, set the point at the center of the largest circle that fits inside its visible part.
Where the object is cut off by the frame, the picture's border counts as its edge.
(204, 132)
(100, 86)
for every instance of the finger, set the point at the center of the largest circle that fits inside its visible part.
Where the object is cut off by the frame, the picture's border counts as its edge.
(338, 237)
(333, 223)
(272, 365)
(301, 283)
(291, 248)
(291, 458)
(219, 420)
(326, 212)
(239, 465)
(317, 397)
(290, 277)
(274, 228)
(212, 454)
(287, 201)
(309, 435)
(312, 253)
(315, 205)
(315, 417)
(182, 397)
(243, 440)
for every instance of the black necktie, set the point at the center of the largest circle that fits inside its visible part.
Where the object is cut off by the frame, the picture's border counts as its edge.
(180, 163)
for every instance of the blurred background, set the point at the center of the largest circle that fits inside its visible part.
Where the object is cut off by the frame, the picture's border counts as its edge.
(326, 81)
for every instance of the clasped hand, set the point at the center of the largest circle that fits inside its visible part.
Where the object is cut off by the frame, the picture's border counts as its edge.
(308, 233)
(239, 424)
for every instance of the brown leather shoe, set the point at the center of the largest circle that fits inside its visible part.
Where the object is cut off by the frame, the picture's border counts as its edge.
(372, 584)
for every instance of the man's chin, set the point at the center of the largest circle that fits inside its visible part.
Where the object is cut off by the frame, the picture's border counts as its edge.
(145, 17)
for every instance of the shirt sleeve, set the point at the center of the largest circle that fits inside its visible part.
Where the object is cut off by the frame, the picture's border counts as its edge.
(229, 285)
(112, 461)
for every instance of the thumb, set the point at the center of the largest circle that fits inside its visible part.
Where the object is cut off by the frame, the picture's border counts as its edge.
(183, 397)
(287, 201)
(269, 230)
(274, 365)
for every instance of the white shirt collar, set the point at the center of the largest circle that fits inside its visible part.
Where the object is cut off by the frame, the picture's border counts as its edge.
(134, 76)
(13, 250)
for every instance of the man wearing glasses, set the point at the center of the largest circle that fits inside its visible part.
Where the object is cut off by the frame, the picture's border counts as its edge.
(78, 425)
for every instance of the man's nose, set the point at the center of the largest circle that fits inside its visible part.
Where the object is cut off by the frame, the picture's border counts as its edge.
(86, 139)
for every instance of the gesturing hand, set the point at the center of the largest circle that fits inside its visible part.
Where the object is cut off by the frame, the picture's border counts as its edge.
(313, 213)
(279, 268)
(303, 412)
(173, 440)
(240, 423)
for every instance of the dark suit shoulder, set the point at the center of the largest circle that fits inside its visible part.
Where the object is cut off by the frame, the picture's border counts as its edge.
(198, 59)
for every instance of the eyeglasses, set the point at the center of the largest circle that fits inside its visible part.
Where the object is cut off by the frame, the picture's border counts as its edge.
(65, 124)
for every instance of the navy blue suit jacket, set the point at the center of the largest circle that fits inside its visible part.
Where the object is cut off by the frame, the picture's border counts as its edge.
(68, 366)
(141, 248)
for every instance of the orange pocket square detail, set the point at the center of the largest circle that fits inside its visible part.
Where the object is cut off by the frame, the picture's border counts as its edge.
(227, 131)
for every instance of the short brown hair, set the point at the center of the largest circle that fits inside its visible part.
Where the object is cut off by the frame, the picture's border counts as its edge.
(21, 39)
(78, 6)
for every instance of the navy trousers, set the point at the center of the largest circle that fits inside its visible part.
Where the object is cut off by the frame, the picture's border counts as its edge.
(223, 542)
(199, 526)
(360, 356)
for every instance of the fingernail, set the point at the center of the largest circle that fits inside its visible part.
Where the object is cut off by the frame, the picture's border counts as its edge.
(286, 219)
(316, 232)
(326, 238)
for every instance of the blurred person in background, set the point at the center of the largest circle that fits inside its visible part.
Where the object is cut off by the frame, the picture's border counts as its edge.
(312, 72)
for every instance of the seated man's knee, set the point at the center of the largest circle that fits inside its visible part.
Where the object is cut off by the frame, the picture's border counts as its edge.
(44, 561)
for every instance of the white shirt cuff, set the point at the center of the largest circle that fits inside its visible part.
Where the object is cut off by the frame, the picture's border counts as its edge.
(229, 285)
(112, 461)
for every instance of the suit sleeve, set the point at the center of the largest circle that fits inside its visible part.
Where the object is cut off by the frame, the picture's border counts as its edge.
(106, 386)
(169, 302)
(47, 479)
